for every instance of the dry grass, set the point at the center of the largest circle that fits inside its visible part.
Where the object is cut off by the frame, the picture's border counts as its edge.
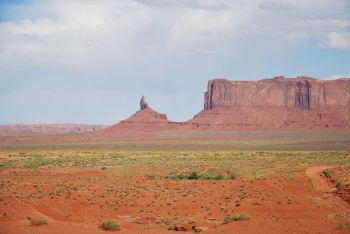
(236, 217)
(39, 222)
(110, 225)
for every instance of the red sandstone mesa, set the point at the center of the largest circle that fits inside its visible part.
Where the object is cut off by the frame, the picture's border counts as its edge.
(278, 103)
(300, 93)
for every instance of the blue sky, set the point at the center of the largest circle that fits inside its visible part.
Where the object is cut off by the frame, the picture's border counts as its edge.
(90, 61)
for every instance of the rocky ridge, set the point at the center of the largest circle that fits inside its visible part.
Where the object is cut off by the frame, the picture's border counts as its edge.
(48, 129)
(277, 103)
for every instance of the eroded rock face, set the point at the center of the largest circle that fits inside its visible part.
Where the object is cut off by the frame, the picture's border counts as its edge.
(145, 119)
(301, 93)
(278, 103)
(252, 118)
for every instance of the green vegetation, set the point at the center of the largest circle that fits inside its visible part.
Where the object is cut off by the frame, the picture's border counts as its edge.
(200, 229)
(110, 225)
(310, 184)
(150, 177)
(340, 226)
(340, 174)
(182, 165)
(38, 222)
(262, 140)
(325, 174)
(338, 185)
(166, 221)
(201, 176)
(193, 176)
(236, 217)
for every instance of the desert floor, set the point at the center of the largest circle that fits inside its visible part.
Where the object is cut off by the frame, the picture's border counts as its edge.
(248, 182)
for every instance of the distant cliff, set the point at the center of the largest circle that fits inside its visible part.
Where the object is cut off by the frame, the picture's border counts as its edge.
(19, 129)
(280, 103)
(300, 93)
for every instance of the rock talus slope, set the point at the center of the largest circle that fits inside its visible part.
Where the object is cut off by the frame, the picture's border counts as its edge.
(145, 119)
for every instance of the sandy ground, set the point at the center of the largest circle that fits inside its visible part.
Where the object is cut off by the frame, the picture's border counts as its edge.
(319, 183)
(78, 201)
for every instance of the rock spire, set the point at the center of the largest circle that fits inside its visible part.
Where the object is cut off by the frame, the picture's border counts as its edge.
(143, 103)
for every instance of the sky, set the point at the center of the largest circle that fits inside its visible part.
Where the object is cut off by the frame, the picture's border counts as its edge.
(90, 61)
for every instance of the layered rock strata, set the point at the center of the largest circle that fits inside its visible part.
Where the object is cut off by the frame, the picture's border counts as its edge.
(299, 93)
(145, 119)
(278, 103)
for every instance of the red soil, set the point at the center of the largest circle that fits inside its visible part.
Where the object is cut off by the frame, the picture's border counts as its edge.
(319, 183)
(76, 201)
(344, 192)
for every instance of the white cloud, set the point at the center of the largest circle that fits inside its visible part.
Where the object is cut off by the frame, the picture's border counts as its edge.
(73, 29)
(323, 25)
(211, 5)
(201, 26)
(334, 77)
(275, 6)
(72, 32)
(339, 40)
(87, 36)
(89, 16)
(106, 42)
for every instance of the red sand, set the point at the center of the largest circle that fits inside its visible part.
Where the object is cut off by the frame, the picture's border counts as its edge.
(77, 201)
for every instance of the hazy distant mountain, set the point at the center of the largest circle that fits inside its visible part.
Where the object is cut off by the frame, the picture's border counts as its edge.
(19, 129)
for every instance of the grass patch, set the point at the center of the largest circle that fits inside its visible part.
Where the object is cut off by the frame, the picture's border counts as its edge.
(39, 222)
(110, 225)
(164, 222)
(310, 184)
(338, 185)
(325, 174)
(193, 176)
(236, 217)
(201, 176)
(180, 165)
(340, 226)
(200, 229)
(150, 177)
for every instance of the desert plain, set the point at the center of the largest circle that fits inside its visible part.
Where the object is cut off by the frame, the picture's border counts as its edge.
(276, 181)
